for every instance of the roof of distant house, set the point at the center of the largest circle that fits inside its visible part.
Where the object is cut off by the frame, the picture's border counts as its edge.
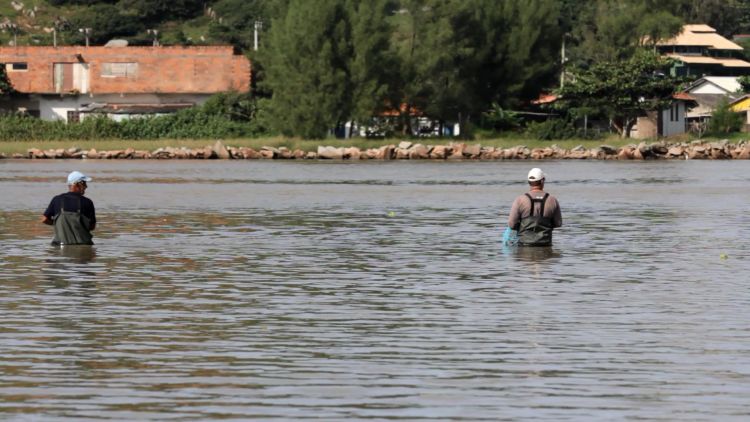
(545, 98)
(134, 108)
(684, 96)
(729, 84)
(719, 61)
(700, 36)
(741, 104)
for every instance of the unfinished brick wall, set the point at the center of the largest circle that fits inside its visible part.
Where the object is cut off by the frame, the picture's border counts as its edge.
(172, 70)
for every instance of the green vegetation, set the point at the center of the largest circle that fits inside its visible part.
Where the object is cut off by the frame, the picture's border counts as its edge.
(723, 120)
(622, 90)
(224, 116)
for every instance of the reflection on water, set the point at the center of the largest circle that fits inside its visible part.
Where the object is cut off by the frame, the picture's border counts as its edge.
(533, 254)
(81, 254)
(343, 292)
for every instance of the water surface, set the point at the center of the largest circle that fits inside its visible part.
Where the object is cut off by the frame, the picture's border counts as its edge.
(340, 291)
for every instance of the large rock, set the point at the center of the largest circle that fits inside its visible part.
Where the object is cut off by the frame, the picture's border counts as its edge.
(608, 150)
(405, 145)
(626, 153)
(472, 151)
(457, 151)
(249, 153)
(352, 153)
(373, 154)
(675, 151)
(419, 151)
(208, 153)
(401, 153)
(221, 151)
(439, 152)
(744, 153)
(270, 152)
(35, 153)
(388, 151)
(330, 153)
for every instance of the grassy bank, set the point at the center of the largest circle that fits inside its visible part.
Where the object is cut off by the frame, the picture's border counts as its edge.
(10, 148)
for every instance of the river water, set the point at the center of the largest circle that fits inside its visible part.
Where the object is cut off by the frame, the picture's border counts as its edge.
(380, 291)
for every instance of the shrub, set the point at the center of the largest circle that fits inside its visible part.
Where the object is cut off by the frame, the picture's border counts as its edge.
(224, 116)
(551, 129)
(724, 120)
(499, 119)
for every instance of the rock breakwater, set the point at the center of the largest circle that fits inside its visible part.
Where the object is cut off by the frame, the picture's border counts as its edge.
(695, 150)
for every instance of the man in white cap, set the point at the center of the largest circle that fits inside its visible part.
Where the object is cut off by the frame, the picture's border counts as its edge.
(535, 214)
(71, 214)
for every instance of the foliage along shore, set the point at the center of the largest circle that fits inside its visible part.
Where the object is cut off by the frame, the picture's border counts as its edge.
(407, 150)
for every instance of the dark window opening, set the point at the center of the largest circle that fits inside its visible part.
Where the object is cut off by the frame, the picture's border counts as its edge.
(17, 67)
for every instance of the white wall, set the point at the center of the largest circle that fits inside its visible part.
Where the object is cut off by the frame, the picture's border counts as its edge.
(56, 108)
(673, 119)
(708, 88)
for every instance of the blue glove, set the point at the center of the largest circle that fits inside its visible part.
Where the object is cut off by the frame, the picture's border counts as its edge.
(510, 236)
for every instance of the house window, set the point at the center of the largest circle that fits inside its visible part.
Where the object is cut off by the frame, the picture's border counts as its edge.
(17, 67)
(674, 113)
(119, 70)
(74, 116)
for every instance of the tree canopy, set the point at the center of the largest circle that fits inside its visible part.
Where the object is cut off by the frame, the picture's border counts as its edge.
(622, 90)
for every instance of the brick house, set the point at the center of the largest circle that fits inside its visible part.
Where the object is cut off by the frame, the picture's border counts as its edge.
(69, 82)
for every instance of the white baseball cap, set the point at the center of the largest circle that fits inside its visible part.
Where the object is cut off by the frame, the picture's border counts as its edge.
(536, 175)
(76, 177)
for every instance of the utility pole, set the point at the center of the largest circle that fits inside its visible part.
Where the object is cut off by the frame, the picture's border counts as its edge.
(86, 32)
(258, 26)
(60, 24)
(155, 34)
(562, 62)
(14, 29)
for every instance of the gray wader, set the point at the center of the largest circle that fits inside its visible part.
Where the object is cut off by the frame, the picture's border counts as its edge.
(536, 229)
(71, 227)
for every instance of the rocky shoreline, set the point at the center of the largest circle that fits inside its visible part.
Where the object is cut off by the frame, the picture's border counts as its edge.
(415, 151)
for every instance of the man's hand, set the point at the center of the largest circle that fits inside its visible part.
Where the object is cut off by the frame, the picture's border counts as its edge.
(46, 220)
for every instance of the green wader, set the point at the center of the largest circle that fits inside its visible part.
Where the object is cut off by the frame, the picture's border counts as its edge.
(536, 230)
(71, 227)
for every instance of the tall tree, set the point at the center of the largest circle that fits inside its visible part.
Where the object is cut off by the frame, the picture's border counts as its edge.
(6, 87)
(611, 30)
(622, 90)
(371, 60)
(323, 64)
(458, 57)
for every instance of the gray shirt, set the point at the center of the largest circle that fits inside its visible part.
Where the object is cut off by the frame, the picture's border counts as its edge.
(521, 209)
